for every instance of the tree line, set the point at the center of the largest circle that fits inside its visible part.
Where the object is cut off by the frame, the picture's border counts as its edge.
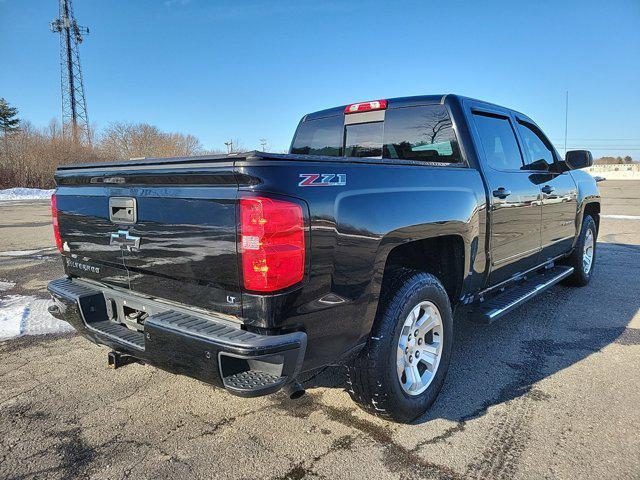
(613, 160)
(29, 155)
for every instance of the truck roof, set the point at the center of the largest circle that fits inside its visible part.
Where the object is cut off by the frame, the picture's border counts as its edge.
(404, 102)
(391, 102)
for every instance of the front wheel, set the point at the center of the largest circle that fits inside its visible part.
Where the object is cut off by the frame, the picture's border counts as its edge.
(401, 370)
(583, 257)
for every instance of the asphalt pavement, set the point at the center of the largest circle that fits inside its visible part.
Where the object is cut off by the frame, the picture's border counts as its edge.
(550, 391)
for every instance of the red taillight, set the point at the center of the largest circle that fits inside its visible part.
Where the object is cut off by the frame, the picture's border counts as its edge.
(366, 106)
(56, 228)
(272, 243)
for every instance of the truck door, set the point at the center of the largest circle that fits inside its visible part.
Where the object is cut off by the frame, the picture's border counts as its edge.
(514, 198)
(559, 191)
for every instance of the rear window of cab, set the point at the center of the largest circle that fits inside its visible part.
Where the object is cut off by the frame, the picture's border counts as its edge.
(423, 133)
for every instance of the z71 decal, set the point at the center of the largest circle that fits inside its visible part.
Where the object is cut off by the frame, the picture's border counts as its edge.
(323, 180)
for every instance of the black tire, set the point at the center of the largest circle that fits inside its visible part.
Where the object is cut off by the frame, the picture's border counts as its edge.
(372, 377)
(580, 278)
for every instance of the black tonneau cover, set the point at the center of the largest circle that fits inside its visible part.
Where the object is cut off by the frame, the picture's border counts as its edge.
(200, 161)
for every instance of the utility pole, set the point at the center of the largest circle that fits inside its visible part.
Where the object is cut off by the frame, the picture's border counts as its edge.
(229, 145)
(74, 105)
(263, 144)
(566, 120)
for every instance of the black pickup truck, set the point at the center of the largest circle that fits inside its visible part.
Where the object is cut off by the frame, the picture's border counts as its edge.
(355, 248)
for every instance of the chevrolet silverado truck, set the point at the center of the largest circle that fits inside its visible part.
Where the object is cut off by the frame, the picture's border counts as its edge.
(355, 248)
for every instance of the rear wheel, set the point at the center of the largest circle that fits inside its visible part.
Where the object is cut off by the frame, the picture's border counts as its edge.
(404, 364)
(583, 257)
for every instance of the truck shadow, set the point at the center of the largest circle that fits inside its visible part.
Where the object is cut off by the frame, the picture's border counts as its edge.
(504, 361)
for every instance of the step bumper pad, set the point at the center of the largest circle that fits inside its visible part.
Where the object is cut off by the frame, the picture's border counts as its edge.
(209, 349)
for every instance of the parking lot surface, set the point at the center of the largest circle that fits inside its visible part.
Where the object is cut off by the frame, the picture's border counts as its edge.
(550, 391)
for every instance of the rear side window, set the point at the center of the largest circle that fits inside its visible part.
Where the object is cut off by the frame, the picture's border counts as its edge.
(499, 142)
(420, 133)
(322, 136)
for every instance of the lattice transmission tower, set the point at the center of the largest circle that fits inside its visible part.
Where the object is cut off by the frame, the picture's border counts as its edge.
(75, 122)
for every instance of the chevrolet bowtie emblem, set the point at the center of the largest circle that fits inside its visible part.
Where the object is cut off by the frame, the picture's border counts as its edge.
(125, 241)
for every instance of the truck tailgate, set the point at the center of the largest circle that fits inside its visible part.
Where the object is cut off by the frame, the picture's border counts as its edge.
(179, 242)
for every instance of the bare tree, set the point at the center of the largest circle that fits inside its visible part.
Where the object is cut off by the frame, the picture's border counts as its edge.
(127, 140)
(441, 121)
(31, 155)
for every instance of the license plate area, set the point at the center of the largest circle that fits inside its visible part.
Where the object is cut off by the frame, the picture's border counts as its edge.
(127, 311)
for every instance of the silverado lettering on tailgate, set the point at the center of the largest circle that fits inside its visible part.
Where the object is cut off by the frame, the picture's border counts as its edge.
(82, 266)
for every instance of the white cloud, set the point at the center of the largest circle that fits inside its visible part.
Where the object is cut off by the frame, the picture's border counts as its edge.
(178, 3)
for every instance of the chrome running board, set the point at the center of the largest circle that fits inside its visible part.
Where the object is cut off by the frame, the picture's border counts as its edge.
(491, 310)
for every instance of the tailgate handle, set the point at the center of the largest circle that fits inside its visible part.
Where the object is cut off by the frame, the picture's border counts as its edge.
(123, 210)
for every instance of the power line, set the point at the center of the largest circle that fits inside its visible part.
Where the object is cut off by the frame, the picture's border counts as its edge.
(599, 147)
(603, 139)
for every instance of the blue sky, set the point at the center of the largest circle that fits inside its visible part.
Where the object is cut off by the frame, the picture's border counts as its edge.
(250, 69)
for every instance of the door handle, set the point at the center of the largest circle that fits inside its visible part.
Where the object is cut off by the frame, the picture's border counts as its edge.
(501, 193)
(547, 189)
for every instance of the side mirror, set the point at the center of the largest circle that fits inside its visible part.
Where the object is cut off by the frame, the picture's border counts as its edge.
(576, 159)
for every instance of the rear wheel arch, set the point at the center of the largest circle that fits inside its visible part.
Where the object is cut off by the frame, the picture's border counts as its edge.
(445, 257)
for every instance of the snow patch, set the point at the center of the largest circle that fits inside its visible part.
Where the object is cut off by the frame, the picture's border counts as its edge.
(24, 253)
(18, 253)
(6, 285)
(25, 315)
(20, 193)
